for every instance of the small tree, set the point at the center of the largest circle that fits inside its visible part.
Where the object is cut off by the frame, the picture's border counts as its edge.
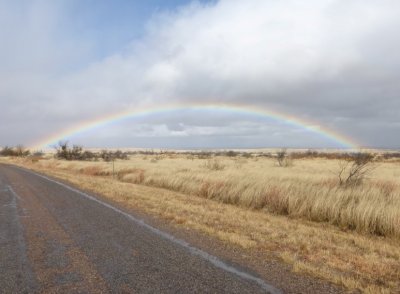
(88, 155)
(355, 169)
(21, 151)
(281, 156)
(231, 153)
(62, 150)
(106, 155)
(76, 152)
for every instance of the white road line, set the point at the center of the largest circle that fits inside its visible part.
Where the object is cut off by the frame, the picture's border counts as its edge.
(13, 192)
(13, 202)
(193, 250)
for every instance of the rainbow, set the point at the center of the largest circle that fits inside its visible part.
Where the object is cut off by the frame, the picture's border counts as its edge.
(90, 124)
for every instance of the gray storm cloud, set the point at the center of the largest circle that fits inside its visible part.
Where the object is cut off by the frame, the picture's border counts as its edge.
(335, 62)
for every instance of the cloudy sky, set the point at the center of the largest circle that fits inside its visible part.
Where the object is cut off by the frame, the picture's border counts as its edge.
(333, 64)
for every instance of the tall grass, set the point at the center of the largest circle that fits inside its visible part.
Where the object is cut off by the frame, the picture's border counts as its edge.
(308, 190)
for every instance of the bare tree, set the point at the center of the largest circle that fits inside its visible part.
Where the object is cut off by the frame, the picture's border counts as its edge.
(355, 169)
(65, 152)
(21, 151)
(280, 156)
(76, 152)
(62, 150)
(283, 158)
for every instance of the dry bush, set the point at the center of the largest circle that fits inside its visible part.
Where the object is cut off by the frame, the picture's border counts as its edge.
(212, 190)
(275, 201)
(214, 164)
(239, 162)
(34, 159)
(94, 170)
(355, 170)
(135, 176)
(391, 155)
(107, 155)
(204, 155)
(283, 158)
(246, 155)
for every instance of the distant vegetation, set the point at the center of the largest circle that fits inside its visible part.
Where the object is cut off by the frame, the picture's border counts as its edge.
(283, 156)
(18, 151)
(76, 152)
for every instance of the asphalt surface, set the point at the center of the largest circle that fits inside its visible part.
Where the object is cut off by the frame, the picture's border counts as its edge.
(57, 239)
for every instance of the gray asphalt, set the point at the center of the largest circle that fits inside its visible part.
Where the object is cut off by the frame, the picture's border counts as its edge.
(57, 239)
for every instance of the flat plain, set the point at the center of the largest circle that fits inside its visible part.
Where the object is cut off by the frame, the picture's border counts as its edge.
(298, 213)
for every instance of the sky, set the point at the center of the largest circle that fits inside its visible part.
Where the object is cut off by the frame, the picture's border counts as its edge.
(331, 65)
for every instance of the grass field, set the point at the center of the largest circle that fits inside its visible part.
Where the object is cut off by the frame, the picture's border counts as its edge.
(347, 235)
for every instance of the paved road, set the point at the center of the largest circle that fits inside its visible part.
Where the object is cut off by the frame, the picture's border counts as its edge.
(56, 239)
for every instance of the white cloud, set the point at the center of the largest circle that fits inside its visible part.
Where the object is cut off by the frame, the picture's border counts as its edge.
(262, 51)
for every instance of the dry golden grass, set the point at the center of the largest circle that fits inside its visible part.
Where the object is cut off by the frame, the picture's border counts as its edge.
(298, 213)
(307, 190)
